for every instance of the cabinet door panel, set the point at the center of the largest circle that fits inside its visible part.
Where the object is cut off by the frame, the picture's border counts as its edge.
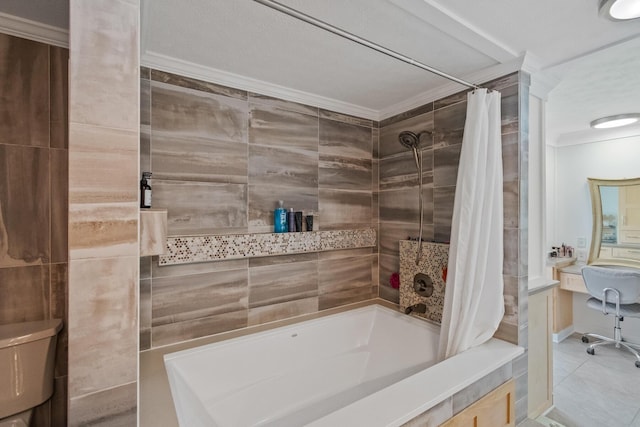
(573, 283)
(496, 409)
(540, 360)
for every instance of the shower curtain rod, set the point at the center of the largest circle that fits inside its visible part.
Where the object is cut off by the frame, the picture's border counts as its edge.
(364, 42)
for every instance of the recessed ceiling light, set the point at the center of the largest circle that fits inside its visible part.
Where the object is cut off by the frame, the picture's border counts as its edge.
(620, 10)
(615, 121)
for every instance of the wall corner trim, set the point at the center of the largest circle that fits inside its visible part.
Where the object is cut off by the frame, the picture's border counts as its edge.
(450, 88)
(169, 64)
(33, 30)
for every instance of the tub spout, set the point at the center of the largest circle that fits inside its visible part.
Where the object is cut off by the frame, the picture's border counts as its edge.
(418, 308)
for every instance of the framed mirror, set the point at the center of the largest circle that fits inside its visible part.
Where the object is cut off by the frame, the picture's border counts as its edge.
(615, 238)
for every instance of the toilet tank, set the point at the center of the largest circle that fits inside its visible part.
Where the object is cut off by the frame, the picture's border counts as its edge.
(27, 359)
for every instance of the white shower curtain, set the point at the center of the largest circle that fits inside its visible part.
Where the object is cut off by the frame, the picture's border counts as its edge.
(474, 305)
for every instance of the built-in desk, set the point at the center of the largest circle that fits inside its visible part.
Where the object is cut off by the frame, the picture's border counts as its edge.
(568, 273)
(570, 278)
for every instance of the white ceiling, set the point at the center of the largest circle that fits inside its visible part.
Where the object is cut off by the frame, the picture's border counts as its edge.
(602, 84)
(248, 39)
(247, 45)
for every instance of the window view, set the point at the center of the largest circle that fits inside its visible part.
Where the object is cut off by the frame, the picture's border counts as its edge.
(609, 196)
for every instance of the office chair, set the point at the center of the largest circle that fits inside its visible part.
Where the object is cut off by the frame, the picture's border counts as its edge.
(614, 290)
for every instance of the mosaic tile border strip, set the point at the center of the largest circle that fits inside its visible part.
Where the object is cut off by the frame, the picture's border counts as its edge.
(191, 249)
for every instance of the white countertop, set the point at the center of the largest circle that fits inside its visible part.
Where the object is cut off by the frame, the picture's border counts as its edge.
(559, 261)
(540, 285)
(572, 269)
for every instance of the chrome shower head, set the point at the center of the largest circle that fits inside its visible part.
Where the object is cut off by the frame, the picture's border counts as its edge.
(411, 140)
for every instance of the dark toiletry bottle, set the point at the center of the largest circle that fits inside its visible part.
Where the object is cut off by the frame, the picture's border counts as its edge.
(291, 220)
(309, 221)
(145, 190)
(280, 218)
(298, 217)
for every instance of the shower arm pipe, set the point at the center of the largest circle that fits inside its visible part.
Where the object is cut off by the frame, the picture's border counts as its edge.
(364, 42)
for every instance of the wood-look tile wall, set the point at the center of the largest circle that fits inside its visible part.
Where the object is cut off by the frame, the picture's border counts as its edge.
(103, 212)
(221, 158)
(399, 211)
(398, 196)
(33, 196)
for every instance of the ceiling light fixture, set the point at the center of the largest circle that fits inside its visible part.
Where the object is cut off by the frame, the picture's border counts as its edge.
(620, 10)
(615, 121)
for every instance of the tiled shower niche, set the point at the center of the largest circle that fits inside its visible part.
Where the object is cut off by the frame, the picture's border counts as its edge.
(189, 249)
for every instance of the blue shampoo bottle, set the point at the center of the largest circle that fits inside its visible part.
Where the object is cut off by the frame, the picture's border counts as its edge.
(280, 218)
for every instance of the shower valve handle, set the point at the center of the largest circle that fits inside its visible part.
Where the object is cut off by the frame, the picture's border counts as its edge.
(423, 285)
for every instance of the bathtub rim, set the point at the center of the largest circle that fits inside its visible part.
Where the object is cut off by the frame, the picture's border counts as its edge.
(295, 326)
(495, 352)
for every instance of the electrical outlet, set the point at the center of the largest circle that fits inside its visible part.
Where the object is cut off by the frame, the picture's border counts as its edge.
(582, 242)
(582, 255)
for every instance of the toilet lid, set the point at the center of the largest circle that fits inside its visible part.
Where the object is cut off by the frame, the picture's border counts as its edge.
(20, 333)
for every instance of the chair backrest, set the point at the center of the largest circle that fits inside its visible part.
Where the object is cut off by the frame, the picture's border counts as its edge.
(625, 280)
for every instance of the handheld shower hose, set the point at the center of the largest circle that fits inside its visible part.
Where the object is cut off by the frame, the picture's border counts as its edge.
(412, 140)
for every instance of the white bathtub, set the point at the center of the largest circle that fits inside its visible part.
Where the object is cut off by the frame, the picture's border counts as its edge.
(369, 366)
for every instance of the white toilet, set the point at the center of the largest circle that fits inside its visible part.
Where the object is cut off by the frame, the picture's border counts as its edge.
(27, 359)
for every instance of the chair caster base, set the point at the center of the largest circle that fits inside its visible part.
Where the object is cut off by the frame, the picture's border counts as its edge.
(585, 339)
(637, 363)
(591, 351)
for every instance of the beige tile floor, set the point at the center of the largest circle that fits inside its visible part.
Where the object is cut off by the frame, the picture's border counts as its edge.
(593, 391)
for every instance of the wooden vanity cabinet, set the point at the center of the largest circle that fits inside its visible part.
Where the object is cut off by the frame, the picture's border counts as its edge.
(572, 282)
(540, 360)
(563, 298)
(496, 409)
